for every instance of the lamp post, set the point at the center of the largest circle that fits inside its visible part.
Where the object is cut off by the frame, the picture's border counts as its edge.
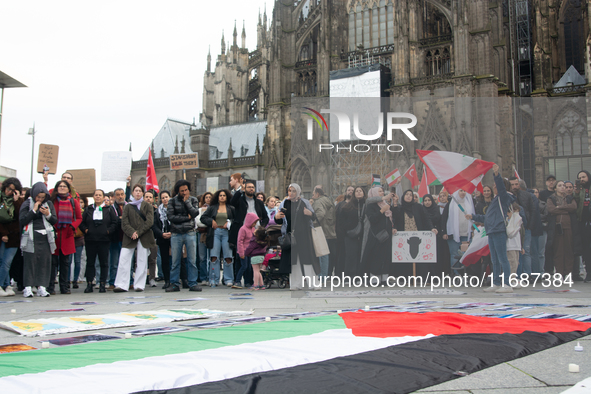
(32, 133)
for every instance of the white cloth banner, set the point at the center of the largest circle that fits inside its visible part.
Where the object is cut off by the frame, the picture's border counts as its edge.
(116, 166)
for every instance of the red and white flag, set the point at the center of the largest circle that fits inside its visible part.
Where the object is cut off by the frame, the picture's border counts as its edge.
(393, 177)
(477, 249)
(411, 175)
(454, 170)
(151, 180)
(424, 187)
(516, 174)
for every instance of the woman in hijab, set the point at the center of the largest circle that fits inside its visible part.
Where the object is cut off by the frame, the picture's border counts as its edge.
(582, 196)
(432, 210)
(296, 216)
(454, 225)
(136, 223)
(443, 197)
(410, 216)
(562, 229)
(69, 217)
(352, 218)
(377, 250)
(37, 217)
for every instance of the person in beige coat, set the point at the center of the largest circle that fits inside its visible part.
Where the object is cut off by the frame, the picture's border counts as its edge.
(136, 223)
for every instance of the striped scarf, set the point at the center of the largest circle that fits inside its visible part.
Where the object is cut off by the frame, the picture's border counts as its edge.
(65, 215)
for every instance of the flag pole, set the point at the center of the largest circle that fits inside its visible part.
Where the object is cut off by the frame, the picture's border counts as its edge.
(464, 211)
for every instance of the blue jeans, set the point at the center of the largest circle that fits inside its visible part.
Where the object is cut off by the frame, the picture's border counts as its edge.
(535, 254)
(221, 244)
(525, 259)
(159, 265)
(497, 243)
(203, 259)
(176, 242)
(77, 258)
(454, 246)
(114, 252)
(324, 260)
(542, 239)
(244, 264)
(6, 256)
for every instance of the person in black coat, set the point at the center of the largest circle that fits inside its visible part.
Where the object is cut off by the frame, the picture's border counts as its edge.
(410, 216)
(161, 230)
(351, 219)
(244, 201)
(98, 224)
(377, 253)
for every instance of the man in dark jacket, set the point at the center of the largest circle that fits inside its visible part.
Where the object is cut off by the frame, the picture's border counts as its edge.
(244, 202)
(537, 230)
(494, 224)
(524, 199)
(182, 211)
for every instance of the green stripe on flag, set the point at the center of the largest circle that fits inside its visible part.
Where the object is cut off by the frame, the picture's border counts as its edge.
(76, 356)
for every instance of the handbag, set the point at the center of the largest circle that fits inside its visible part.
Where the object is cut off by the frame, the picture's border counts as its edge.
(382, 236)
(288, 240)
(319, 240)
(5, 216)
(356, 232)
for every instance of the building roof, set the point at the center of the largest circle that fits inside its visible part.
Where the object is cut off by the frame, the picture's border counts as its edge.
(243, 136)
(572, 77)
(167, 137)
(6, 81)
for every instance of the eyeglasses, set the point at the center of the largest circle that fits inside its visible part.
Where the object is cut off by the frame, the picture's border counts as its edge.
(66, 177)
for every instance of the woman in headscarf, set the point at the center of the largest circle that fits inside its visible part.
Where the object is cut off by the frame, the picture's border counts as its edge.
(443, 197)
(136, 223)
(161, 230)
(37, 217)
(296, 216)
(377, 250)
(454, 225)
(352, 221)
(582, 196)
(69, 217)
(562, 229)
(410, 216)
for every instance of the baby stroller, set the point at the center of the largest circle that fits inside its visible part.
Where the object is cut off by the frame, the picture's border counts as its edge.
(273, 275)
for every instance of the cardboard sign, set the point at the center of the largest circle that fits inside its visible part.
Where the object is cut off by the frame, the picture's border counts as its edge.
(116, 166)
(84, 181)
(414, 247)
(180, 162)
(47, 158)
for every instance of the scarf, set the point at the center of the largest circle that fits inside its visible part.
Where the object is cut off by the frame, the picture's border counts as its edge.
(271, 211)
(65, 214)
(163, 218)
(375, 192)
(456, 215)
(432, 211)
(136, 203)
(27, 240)
(98, 213)
(407, 206)
(8, 202)
(298, 190)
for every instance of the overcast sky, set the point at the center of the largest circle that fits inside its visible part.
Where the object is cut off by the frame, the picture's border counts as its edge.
(103, 74)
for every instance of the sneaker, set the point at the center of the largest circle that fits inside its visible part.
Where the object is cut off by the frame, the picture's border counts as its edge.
(229, 284)
(2, 292)
(118, 290)
(262, 288)
(195, 288)
(518, 286)
(236, 287)
(172, 288)
(41, 292)
(491, 289)
(10, 291)
(505, 289)
(153, 283)
(27, 292)
(204, 283)
(212, 285)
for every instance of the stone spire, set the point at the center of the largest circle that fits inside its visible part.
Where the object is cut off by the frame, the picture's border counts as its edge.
(235, 35)
(223, 43)
(243, 35)
(209, 59)
(176, 146)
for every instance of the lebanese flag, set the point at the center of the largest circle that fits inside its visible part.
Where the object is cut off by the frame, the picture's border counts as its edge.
(411, 175)
(393, 177)
(454, 170)
(478, 248)
(151, 180)
(338, 353)
(424, 186)
(515, 173)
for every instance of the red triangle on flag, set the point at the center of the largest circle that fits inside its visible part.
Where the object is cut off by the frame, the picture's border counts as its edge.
(424, 187)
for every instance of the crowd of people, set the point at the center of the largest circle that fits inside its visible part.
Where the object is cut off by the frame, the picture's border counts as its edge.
(133, 238)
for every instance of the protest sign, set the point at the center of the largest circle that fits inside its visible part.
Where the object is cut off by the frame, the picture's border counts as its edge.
(116, 166)
(414, 247)
(47, 158)
(84, 180)
(187, 161)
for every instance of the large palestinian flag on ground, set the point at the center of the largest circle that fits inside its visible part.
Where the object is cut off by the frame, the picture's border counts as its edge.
(354, 352)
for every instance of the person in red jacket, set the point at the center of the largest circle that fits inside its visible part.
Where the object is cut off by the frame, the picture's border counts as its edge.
(69, 217)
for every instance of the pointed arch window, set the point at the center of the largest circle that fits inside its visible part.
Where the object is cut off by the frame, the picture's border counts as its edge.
(571, 135)
(371, 27)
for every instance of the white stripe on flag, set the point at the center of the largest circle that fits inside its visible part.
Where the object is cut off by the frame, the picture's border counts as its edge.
(192, 368)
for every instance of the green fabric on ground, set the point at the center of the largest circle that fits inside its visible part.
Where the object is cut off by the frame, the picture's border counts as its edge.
(76, 356)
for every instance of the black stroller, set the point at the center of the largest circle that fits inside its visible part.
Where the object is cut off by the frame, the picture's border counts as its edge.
(273, 275)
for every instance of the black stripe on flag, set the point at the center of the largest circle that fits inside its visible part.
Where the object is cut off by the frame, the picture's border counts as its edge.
(396, 369)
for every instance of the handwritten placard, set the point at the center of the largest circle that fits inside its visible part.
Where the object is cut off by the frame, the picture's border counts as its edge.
(47, 158)
(180, 162)
(84, 180)
(414, 247)
(116, 166)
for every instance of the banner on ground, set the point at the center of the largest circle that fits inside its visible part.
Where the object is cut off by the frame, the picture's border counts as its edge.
(184, 162)
(414, 247)
(47, 158)
(116, 166)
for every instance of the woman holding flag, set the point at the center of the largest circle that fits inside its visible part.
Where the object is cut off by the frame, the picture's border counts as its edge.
(454, 225)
